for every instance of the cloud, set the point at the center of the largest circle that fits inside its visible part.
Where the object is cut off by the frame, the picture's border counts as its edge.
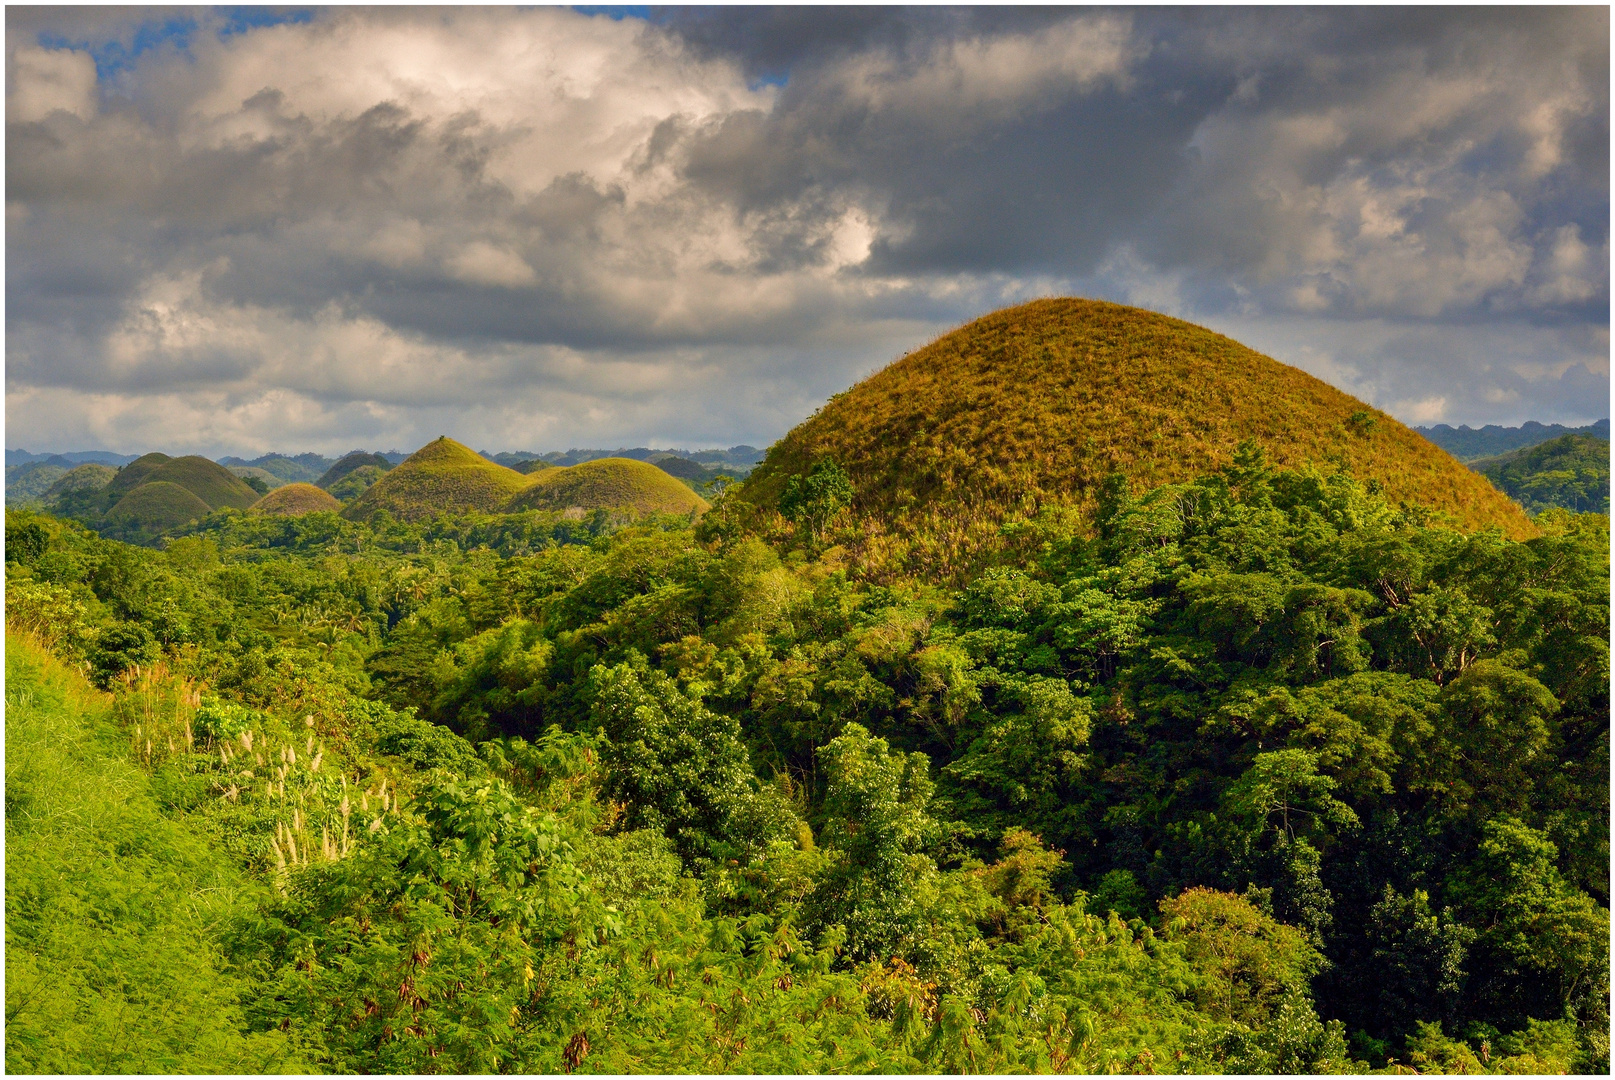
(373, 221)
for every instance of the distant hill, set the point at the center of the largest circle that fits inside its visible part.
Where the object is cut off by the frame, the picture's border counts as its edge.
(1034, 405)
(207, 480)
(350, 463)
(288, 469)
(611, 483)
(1471, 444)
(28, 483)
(69, 459)
(270, 480)
(441, 477)
(736, 461)
(133, 474)
(154, 508)
(1571, 471)
(294, 500)
(88, 477)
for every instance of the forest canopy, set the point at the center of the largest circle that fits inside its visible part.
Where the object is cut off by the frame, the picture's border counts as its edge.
(1256, 772)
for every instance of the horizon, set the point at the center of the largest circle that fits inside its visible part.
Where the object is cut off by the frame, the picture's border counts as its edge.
(230, 230)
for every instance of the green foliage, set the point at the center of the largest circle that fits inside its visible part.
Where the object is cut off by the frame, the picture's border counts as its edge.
(1571, 472)
(1254, 761)
(118, 951)
(817, 497)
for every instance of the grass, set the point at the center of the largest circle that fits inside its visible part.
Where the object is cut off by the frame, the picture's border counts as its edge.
(270, 480)
(294, 500)
(441, 477)
(115, 913)
(1033, 405)
(157, 507)
(609, 483)
(349, 463)
(207, 480)
(86, 477)
(132, 474)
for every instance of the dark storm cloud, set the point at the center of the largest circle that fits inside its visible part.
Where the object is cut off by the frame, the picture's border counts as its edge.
(571, 228)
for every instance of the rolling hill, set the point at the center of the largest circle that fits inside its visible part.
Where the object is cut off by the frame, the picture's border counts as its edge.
(350, 463)
(207, 480)
(611, 483)
(295, 500)
(441, 477)
(134, 473)
(1036, 404)
(87, 477)
(156, 507)
(1571, 471)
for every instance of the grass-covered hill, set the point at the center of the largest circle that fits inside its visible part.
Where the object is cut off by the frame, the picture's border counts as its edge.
(350, 463)
(294, 500)
(91, 476)
(441, 477)
(1571, 471)
(29, 483)
(135, 473)
(156, 507)
(1469, 444)
(610, 483)
(1036, 404)
(250, 473)
(207, 480)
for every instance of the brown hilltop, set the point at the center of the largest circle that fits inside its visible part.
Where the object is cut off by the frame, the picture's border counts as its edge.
(1035, 404)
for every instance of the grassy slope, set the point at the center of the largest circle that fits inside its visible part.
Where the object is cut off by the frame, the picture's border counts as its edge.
(270, 480)
(348, 463)
(89, 477)
(113, 911)
(207, 480)
(293, 500)
(33, 483)
(442, 476)
(132, 474)
(1037, 403)
(1571, 471)
(611, 483)
(157, 507)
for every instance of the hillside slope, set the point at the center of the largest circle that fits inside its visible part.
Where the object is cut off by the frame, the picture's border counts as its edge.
(1571, 471)
(1035, 404)
(294, 500)
(441, 477)
(610, 483)
(115, 913)
(135, 473)
(90, 476)
(207, 480)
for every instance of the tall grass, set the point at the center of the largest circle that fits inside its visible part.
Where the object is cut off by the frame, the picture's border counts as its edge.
(117, 916)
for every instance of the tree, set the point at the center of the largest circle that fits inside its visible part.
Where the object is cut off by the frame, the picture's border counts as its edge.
(816, 498)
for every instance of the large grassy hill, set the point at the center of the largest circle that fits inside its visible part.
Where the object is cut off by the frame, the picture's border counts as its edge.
(134, 473)
(155, 508)
(441, 477)
(348, 463)
(207, 480)
(294, 500)
(613, 483)
(90, 476)
(1036, 404)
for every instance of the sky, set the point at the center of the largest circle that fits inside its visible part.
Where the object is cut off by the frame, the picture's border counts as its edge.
(235, 231)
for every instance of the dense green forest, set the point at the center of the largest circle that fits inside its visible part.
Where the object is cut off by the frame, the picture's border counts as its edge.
(1571, 471)
(1253, 773)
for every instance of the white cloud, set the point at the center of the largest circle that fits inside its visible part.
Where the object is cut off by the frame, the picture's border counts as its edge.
(43, 81)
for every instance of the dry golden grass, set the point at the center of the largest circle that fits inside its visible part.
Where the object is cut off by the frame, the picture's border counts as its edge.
(611, 483)
(441, 477)
(1034, 405)
(295, 500)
